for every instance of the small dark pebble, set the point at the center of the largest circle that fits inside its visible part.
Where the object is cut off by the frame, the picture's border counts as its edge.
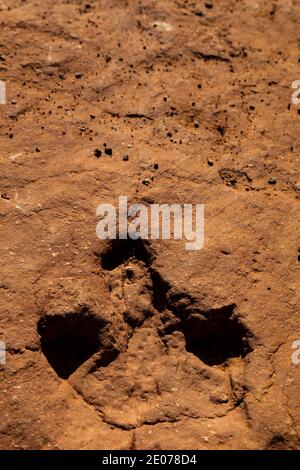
(155, 166)
(272, 180)
(97, 153)
(210, 163)
(78, 75)
(37, 149)
(125, 158)
(108, 151)
(5, 196)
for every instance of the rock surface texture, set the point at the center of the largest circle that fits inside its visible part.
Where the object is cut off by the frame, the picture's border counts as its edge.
(143, 344)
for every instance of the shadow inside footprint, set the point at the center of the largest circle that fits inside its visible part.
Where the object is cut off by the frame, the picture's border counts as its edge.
(216, 336)
(120, 251)
(67, 341)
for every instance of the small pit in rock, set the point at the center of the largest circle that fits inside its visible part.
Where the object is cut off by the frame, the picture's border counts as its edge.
(67, 341)
(216, 336)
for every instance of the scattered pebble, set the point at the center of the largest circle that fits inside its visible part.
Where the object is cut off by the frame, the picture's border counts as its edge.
(97, 153)
(156, 166)
(272, 180)
(146, 181)
(210, 162)
(163, 26)
(78, 75)
(125, 158)
(108, 151)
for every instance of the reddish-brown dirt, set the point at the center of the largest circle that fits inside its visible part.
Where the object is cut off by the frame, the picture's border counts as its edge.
(145, 345)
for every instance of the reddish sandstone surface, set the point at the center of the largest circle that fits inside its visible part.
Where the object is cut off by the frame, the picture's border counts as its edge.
(144, 345)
